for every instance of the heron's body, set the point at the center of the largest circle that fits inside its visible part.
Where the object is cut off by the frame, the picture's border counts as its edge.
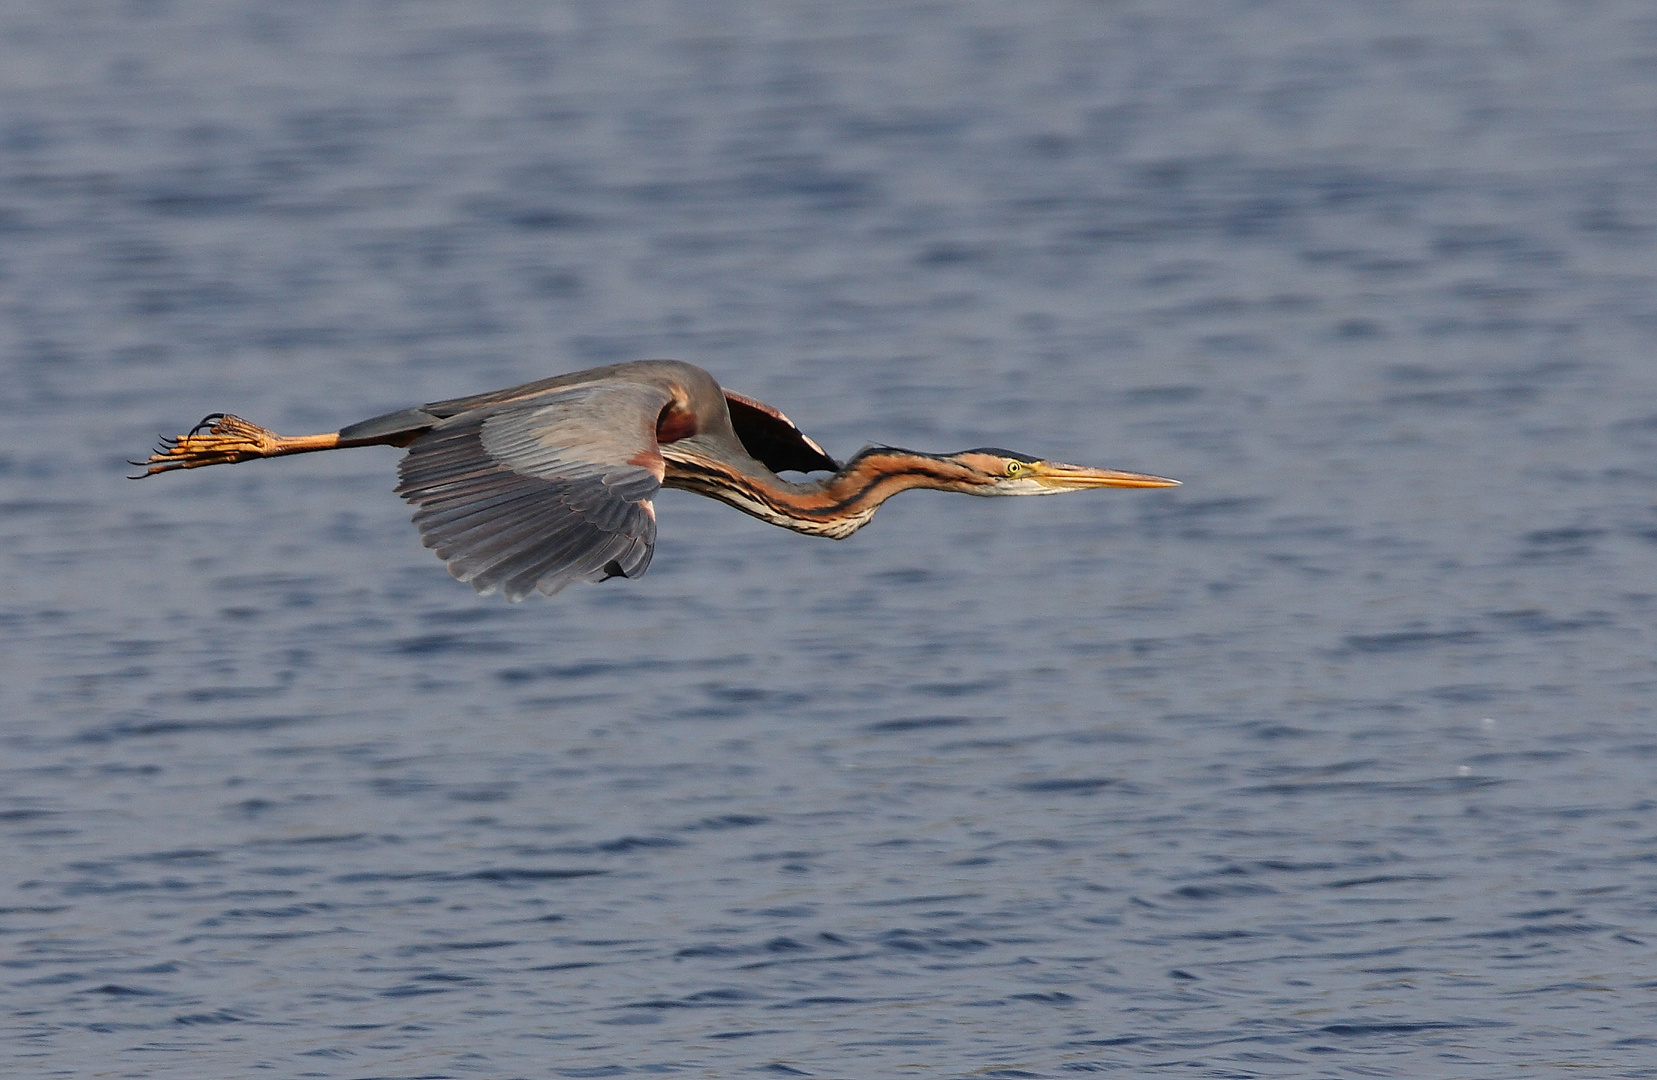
(536, 486)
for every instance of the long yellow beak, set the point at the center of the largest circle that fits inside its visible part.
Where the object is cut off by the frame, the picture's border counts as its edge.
(1056, 474)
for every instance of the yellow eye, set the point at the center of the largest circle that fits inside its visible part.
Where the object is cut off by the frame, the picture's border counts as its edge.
(1014, 468)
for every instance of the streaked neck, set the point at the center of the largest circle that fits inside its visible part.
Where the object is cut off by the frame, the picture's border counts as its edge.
(836, 506)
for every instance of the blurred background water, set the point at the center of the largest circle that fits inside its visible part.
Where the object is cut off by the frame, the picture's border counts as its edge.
(1336, 761)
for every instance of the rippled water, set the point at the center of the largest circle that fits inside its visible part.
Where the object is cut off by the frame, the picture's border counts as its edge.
(1336, 761)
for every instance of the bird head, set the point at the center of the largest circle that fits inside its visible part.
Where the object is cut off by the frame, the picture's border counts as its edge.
(992, 471)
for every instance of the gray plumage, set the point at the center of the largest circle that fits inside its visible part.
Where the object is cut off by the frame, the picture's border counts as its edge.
(534, 495)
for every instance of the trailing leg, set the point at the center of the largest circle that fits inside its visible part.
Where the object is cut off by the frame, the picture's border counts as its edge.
(222, 439)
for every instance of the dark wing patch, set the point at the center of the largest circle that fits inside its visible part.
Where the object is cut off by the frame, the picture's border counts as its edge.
(772, 439)
(541, 492)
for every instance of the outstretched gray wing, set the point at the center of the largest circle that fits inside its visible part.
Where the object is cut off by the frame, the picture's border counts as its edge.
(542, 491)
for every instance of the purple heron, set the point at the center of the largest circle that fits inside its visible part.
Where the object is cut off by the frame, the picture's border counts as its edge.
(536, 486)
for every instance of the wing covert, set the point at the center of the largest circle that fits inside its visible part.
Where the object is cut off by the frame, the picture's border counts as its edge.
(542, 491)
(772, 439)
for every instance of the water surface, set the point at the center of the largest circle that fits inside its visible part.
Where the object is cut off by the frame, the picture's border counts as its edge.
(1334, 762)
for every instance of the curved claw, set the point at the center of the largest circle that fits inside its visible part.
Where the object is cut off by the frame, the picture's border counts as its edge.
(220, 439)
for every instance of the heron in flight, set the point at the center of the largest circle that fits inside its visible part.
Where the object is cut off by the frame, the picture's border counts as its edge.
(534, 487)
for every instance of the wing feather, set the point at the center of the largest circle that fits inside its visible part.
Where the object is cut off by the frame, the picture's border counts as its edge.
(540, 492)
(772, 439)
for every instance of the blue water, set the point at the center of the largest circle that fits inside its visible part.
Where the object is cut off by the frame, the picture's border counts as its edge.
(1336, 761)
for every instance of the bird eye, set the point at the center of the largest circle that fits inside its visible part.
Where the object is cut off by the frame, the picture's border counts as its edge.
(1014, 468)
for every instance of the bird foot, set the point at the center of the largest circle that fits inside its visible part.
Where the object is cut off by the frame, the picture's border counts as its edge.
(220, 439)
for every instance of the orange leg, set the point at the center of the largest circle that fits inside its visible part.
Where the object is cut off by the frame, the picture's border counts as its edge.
(222, 439)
